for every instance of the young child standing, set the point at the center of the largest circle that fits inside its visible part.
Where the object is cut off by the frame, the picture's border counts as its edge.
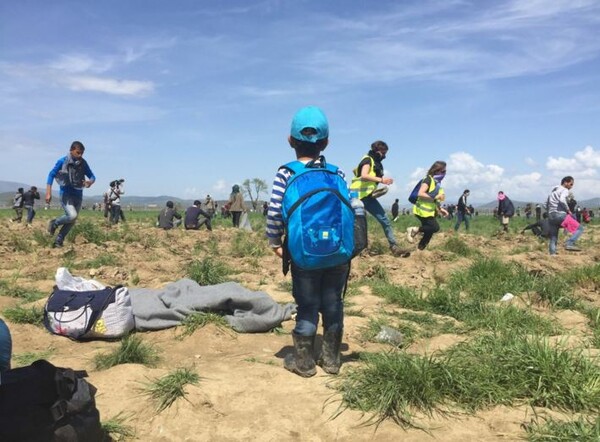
(70, 173)
(315, 291)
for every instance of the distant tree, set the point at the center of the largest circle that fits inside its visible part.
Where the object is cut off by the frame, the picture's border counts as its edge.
(254, 188)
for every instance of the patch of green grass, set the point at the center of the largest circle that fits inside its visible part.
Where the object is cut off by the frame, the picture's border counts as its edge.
(246, 244)
(394, 386)
(490, 370)
(580, 430)
(132, 350)
(117, 429)
(25, 315)
(193, 322)
(208, 271)
(285, 286)
(27, 358)
(42, 238)
(88, 230)
(14, 291)
(584, 277)
(166, 390)
(258, 361)
(20, 243)
(104, 259)
(402, 296)
(594, 316)
(457, 246)
(377, 247)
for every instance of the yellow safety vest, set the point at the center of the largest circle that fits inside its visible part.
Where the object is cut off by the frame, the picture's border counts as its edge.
(362, 187)
(426, 209)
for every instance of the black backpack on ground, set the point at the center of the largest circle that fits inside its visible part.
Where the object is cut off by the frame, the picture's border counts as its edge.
(42, 402)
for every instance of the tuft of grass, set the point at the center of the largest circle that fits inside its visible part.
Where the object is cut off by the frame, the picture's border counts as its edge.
(25, 315)
(377, 247)
(104, 259)
(393, 386)
(20, 243)
(584, 277)
(27, 358)
(208, 271)
(88, 230)
(457, 246)
(132, 350)
(491, 370)
(245, 244)
(193, 322)
(13, 291)
(580, 430)
(117, 429)
(42, 238)
(285, 286)
(166, 390)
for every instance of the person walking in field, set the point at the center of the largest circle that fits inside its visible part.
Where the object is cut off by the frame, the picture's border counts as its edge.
(320, 290)
(18, 205)
(463, 213)
(395, 210)
(236, 205)
(428, 205)
(367, 176)
(506, 210)
(29, 198)
(210, 206)
(70, 173)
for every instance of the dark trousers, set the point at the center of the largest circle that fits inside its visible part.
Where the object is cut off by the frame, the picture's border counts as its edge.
(429, 226)
(236, 218)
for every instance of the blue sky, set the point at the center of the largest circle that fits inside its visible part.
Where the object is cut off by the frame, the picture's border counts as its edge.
(186, 98)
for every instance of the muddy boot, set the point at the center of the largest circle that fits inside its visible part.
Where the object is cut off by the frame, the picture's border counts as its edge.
(302, 361)
(330, 359)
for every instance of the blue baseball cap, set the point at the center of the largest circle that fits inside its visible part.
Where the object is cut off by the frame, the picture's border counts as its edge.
(310, 117)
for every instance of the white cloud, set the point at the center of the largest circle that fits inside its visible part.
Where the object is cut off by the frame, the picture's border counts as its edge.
(190, 193)
(109, 85)
(485, 180)
(530, 162)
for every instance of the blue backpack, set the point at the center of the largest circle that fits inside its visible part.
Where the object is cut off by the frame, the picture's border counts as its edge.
(414, 195)
(317, 215)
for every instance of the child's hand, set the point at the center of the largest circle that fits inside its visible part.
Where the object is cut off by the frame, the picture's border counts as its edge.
(278, 251)
(440, 197)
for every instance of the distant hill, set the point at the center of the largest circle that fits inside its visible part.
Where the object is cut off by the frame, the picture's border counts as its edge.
(11, 186)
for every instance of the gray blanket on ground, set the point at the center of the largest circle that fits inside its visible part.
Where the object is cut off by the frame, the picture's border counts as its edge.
(246, 311)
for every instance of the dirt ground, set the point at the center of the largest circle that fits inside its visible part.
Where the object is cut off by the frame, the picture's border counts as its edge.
(244, 393)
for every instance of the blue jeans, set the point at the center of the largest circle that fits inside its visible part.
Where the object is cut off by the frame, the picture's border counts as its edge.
(556, 219)
(319, 291)
(71, 204)
(30, 213)
(374, 208)
(460, 217)
(5, 347)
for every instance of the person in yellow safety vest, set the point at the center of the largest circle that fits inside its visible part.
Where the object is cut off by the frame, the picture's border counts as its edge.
(367, 175)
(428, 205)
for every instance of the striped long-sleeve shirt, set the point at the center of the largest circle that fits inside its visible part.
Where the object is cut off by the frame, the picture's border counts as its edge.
(275, 228)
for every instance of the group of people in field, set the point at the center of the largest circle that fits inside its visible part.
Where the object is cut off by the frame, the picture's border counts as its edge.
(318, 283)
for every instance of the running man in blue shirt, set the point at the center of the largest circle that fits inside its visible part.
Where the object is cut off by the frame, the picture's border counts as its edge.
(70, 173)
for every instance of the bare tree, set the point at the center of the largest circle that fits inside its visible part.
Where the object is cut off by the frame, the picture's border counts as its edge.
(254, 188)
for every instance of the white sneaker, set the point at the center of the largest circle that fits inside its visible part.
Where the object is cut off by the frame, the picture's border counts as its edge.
(411, 232)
